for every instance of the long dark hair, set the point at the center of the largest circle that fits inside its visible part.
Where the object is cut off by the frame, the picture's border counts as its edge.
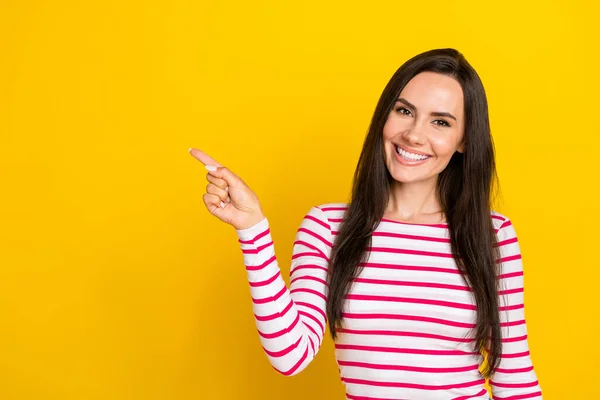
(464, 189)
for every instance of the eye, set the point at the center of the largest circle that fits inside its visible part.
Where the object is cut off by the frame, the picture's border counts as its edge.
(443, 122)
(399, 109)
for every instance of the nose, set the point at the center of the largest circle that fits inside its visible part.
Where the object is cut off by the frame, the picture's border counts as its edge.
(414, 135)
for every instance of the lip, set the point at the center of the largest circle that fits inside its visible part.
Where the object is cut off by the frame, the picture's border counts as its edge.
(412, 151)
(408, 162)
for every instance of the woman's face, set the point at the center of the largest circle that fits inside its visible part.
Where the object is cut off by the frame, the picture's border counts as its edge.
(425, 128)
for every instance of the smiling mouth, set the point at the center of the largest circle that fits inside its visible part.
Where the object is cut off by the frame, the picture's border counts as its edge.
(410, 156)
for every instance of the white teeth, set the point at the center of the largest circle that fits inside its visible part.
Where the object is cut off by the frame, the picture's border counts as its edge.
(410, 156)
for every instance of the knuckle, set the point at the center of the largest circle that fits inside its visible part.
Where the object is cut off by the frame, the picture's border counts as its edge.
(211, 188)
(209, 199)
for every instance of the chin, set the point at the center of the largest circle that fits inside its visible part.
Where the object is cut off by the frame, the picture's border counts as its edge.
(406, 176)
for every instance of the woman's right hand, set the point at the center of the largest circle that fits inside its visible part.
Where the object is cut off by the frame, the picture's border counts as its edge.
(227, 196)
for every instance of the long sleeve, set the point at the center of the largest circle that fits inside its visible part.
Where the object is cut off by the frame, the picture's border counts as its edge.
(290, 321)
(515, 378)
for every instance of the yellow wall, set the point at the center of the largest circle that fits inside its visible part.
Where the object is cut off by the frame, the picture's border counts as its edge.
(116, 283)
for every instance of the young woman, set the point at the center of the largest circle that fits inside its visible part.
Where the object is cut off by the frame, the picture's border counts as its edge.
(419, 281)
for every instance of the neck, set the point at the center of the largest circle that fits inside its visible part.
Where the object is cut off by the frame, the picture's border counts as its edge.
(414, 201)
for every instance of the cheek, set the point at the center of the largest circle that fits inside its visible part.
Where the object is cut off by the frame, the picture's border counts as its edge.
(388, 129)
(395, 125)
(444, 146)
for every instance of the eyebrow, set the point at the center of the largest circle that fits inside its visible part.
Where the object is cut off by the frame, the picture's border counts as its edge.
(435, 114)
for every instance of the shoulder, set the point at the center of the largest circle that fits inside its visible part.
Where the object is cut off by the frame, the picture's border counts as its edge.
(328, 215)
(499, 220)
(504, 227)
(333, 210)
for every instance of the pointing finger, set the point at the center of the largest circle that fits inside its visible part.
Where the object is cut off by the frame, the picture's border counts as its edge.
(204, 158)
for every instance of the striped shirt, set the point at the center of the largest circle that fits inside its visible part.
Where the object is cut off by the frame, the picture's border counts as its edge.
(407, 316)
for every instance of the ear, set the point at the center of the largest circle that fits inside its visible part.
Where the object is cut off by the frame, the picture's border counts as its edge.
(461, 147)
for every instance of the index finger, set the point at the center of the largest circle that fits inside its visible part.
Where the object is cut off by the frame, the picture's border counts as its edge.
(204, 158)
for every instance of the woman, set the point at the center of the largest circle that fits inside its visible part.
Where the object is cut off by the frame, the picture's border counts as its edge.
(419, 281)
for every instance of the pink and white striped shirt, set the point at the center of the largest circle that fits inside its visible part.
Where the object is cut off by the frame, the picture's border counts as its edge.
(406, 318)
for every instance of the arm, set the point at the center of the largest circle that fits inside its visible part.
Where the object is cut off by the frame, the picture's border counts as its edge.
(290, 322)
(515, 378)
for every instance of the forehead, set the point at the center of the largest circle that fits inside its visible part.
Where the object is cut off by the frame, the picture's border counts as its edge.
(430, 91)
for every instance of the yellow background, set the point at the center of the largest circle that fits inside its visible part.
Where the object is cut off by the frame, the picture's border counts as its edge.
(116, 282)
